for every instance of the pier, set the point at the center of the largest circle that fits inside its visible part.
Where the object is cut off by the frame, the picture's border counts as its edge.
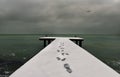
(48, 40)
(64, 58)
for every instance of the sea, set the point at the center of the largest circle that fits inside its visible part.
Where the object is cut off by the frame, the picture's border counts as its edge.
(16, 49)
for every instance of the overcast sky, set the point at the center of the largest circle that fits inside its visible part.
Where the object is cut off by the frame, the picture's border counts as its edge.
(59, 16)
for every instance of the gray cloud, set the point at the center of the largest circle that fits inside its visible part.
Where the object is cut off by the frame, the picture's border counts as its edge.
(59, 16)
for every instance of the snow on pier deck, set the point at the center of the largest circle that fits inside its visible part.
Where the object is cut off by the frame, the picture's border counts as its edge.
(48, 40)
(63, 58)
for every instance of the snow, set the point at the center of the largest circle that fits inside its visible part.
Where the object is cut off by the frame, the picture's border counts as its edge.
(78, 62)
(73, 38)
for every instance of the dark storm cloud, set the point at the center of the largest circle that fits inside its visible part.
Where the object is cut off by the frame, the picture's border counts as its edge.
(59, 16)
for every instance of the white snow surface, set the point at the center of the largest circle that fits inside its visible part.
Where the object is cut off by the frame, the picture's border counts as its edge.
(48, 62)
(73, 38)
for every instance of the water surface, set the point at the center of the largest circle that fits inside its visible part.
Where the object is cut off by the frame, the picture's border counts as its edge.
(15, 50)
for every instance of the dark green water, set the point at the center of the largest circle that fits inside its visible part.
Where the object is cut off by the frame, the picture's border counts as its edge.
(15, 50)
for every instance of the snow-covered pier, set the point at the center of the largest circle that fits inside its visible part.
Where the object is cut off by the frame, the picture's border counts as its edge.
(63, 58)
(48, 40)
